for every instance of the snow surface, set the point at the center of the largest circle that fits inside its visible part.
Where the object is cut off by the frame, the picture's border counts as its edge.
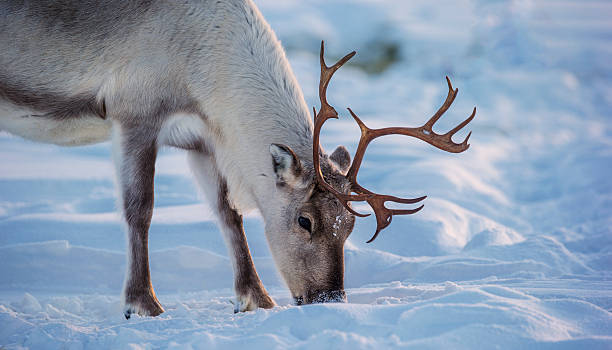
(513, 249)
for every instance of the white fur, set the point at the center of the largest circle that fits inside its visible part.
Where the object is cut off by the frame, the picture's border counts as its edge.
(267, 113)
(116, 140)
(181, 129)
(71, 132)
(242, 82)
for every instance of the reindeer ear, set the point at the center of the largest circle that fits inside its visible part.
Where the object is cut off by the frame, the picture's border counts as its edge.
(341, 158)
(286, 164)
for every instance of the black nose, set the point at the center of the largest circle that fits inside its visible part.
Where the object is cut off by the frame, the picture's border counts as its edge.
(330, 296)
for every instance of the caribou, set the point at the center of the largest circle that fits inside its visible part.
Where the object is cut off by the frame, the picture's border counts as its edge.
(211, 78)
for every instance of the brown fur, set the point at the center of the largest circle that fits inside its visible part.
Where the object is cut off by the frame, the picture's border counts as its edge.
(246, 280)
(138, 163)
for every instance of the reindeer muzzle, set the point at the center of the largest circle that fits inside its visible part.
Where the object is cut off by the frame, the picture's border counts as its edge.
(332, 296)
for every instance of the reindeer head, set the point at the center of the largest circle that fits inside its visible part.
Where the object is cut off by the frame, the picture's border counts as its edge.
(312, 225)
(316, 217)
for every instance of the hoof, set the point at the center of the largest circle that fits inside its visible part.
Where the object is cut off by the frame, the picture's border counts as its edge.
(144, 305)
(252, 300)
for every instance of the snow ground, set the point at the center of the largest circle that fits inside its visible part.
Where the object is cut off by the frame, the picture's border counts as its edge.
(513, 249)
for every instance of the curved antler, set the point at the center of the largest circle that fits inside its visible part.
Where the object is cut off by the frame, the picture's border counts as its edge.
(327, 112)
(425, 132)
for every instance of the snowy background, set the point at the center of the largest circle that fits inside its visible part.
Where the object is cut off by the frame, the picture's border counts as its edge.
(512, 250)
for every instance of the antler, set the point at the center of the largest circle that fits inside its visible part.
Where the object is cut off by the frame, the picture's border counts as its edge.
(383, 214)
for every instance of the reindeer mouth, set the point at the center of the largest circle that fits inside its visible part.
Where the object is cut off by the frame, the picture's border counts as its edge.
(332, 296)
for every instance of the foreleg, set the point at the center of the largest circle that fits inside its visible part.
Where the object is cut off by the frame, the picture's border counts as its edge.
(250, 292)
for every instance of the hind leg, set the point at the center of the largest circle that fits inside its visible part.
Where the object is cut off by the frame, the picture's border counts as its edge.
(250, 292)
(134, 154)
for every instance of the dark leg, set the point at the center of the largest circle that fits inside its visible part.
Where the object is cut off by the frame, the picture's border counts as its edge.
(250, 291)
(135, 153)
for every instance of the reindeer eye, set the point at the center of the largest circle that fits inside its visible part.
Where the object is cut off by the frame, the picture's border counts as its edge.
(305, 223)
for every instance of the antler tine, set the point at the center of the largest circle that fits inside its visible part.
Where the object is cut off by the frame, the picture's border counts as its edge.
(364, 140)
(326, 75)
(460, 126)
(450, 98)
(384, 215)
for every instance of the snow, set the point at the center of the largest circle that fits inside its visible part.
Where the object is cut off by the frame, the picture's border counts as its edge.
(512, 250)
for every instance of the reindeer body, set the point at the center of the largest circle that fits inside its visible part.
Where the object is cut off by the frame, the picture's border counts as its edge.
(232, 91)
(206, 76)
